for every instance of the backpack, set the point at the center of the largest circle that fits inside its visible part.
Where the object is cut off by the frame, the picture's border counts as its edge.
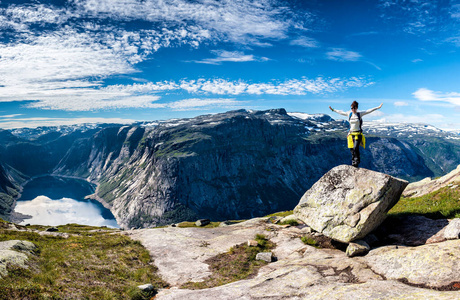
(359, 118)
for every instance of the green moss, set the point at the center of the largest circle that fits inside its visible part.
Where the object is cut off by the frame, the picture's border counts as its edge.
(310, 241)
(281, 214)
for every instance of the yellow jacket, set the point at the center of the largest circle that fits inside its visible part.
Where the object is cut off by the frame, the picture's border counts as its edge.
(350, 139)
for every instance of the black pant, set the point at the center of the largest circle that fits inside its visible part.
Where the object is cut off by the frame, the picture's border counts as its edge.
(355, 159)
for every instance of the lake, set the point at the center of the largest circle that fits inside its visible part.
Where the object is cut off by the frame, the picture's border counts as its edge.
(54, 200)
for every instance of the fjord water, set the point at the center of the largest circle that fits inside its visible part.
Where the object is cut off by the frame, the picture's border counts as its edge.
(55, 200)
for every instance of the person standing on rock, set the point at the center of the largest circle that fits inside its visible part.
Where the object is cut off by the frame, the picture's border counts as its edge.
(355, 135)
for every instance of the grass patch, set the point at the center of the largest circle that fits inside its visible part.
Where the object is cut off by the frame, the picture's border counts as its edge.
(443, 203)
(187, 224)
(237, 264)
(281, 214)
(89, 265)
(310, 241)
(291, 222)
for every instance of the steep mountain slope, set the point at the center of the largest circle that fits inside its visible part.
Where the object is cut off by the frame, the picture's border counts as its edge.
(238, 164)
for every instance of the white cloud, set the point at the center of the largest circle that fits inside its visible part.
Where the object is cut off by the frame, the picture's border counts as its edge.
(424, 94)
(432, 119)
(454, 40)
(59, 57)
(289, 87)
(306, 42)
(74, 96)
(196, 103)
(301, 86)
(229, 56)
(455, 11)
(422, 16)
(417, 60)
(340, 54)
(37, 13)
(64, 55)
(11, 116)
(36, 122)
(238, 21)
(400, 103)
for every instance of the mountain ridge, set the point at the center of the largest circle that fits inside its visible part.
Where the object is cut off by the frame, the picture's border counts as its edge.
(221, 166)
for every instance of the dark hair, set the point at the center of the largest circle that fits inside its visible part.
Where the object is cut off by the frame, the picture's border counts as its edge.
(354, 104)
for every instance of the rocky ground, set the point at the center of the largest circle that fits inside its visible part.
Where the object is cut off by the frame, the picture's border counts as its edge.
(394, 271)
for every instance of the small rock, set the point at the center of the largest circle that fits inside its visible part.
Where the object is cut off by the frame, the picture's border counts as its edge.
(52, 229)
(265, 256)
(305, 229)
(146, 287)
(202, 222)
(452, 230)
(252, 243)
(224, 224)
(358, 247)
(454, 186)
(12, 227)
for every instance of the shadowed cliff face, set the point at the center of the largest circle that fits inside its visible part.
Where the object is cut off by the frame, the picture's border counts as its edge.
(239, 164)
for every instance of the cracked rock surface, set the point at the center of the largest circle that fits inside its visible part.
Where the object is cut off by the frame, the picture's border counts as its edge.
(302, 271)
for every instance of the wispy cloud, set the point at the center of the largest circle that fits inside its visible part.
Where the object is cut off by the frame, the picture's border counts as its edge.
(423, 119)
(419, 17)
(149, 95)
(424, 94)
(60, 56)
(306, 42)
(416, 17)
(344, 55)
(455, 11)
(289, 87)
(340, 54)
(239, 21)
(37, 13)
(400, 103)
(229, 56)
(197, 103)
(11, 116)
(36, 122)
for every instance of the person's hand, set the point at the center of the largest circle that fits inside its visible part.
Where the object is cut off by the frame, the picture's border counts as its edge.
(380, 105)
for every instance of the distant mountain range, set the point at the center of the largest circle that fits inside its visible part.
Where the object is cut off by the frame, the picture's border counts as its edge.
(233, 165)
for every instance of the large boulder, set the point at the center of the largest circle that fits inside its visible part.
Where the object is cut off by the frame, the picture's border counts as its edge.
(347, 203)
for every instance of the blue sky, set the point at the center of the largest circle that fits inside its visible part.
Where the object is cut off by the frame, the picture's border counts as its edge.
(76, 61)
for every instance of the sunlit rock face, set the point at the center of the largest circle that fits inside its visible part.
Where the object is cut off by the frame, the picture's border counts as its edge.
(347, 203)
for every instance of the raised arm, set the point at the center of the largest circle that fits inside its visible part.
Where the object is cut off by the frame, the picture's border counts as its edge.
(365, 112)
(340, 112)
